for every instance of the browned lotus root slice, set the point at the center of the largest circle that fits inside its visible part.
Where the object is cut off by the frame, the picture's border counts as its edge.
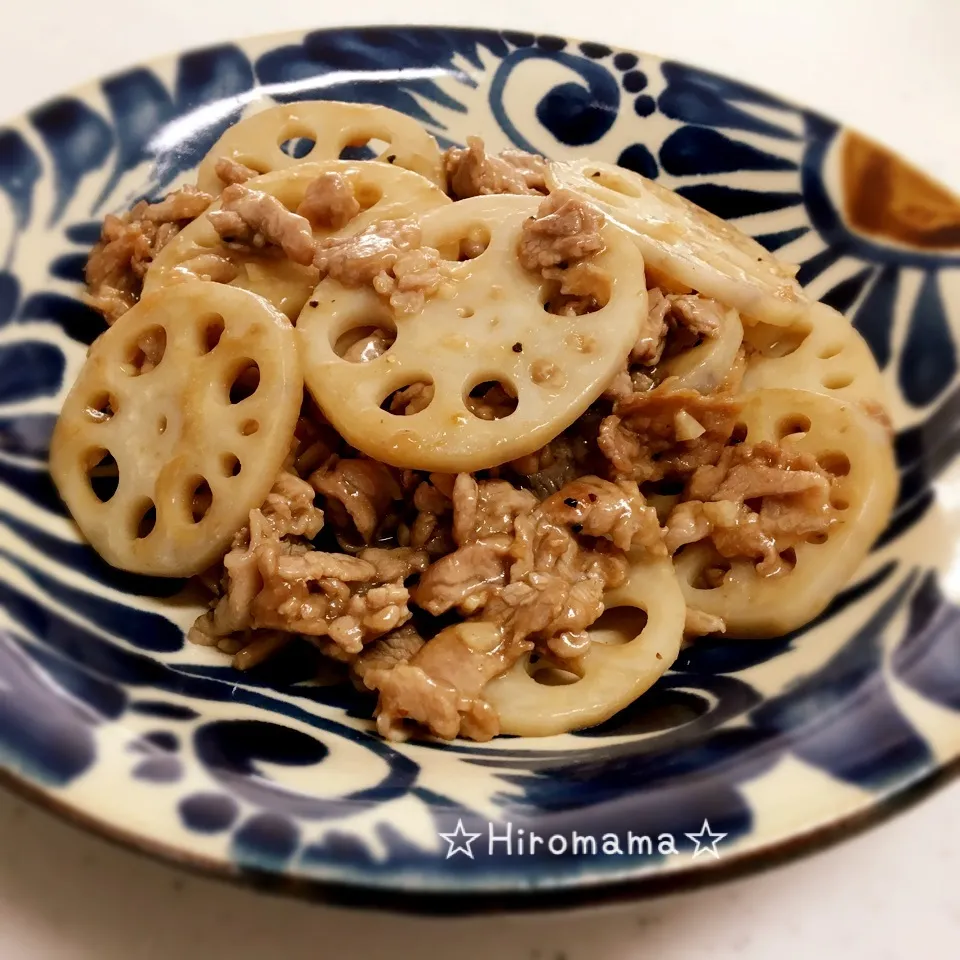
(488, 325)
(856, 450)
(194, 394)
(620, 664)
(687, 243)
(256, 141)
(383, 191)
(821, 352)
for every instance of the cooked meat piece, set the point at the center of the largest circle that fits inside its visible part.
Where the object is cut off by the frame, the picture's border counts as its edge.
(640, 437)
(472, 172)
(290, 508)
(232, 171)
(674, 317)
(128, 244)
(563, 459)
(329, 202)
(388, 256)
(440, 687)
(357, 490)
(412, 399)
(564, 230)
(181, 206)
(257, 219)
(599, 508)
(794, 503)
(465, 579)
(387, 652)
(485, 511)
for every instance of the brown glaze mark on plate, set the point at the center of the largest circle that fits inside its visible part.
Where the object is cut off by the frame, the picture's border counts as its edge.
(891, 200)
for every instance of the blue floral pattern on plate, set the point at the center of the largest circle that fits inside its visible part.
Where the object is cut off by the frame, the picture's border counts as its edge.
(108, 715)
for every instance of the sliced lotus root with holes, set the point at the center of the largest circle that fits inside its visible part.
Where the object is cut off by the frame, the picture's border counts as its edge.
(687, 243)
(384, 192)
(822, 352)
(194, 395)
(618, 667)
(856, 450)
(488, 325)
(705, 366)
(257, 141)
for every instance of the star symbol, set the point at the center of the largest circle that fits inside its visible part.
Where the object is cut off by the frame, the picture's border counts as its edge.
(454, 840)
(706, 840)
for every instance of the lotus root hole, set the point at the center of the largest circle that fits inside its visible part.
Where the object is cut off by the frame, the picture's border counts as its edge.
(102, 407)
(837, 381)
(297, 140)
(839, 503)
(366, 342)
(465, 244)
(245, 381)
(249, 427)
(465, 312)
(830, 350)
(549, 674)
(711, 575)
(738, 434)
(367, 194)
(407, 400)
(817, 539)
(491, 400)
(201, 498)
(103, 473)
(211, 330)
(788, 560)
(774, 343)
(618, 625)
(161, 425)
(835, 462)
(145, 518)
(230, 465)
(146, 352)
(587, 294)
(794, 426)
(363, 147)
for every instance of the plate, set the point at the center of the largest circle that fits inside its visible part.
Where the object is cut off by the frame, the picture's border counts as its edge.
(745, 754)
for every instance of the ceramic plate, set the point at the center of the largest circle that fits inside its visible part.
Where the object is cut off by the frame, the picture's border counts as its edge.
(107, 714)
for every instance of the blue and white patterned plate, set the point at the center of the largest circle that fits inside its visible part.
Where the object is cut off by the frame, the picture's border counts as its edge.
(109, 717)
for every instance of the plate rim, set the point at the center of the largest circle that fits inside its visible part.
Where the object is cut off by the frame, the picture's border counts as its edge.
(580, 895)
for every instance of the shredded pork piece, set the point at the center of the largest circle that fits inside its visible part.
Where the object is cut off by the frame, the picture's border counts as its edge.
(232, 171)
(565, 229)
(639, 437)
(387, 652)
(329, 202)
(256, 219)
(441, 686)
(794, 503)
(387, 256)
(357, 491)
(472, 172)
(128, 245)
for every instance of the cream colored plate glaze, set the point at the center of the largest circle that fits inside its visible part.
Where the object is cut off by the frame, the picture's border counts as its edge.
(754, 606)
(705, 366)
(686, 242)
(831, 357)
(175, 425)
(616, 669)
(384, 192)
(256, 141)
(467, 337)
